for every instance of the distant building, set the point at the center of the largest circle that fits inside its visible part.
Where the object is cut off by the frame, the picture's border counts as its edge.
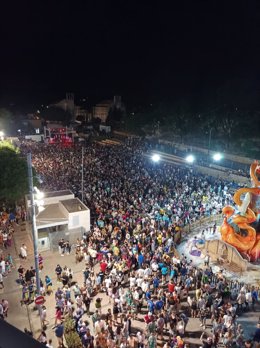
(66, 104)
(82, 115)
(101, 110)
(79, 113)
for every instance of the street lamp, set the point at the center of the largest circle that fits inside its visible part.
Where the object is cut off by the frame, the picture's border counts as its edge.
(156, 157)
(2, 134)
(190, 159)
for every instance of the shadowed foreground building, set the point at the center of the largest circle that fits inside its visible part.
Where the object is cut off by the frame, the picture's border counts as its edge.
(11, 337)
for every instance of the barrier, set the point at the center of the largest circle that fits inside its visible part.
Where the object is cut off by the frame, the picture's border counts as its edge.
(203, 221)
(219, 250)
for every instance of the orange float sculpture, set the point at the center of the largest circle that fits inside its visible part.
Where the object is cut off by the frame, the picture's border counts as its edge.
(241, 226)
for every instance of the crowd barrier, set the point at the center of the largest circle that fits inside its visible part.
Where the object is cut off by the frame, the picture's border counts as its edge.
(206, 221)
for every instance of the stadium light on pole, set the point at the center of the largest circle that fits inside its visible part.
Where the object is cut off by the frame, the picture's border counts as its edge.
(190, 159)
(156, 157)
(217, 156)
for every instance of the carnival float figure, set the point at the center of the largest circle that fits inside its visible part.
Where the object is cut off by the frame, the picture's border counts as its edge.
(241, 226)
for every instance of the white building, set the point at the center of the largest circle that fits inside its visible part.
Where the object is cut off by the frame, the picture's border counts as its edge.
(60, 216)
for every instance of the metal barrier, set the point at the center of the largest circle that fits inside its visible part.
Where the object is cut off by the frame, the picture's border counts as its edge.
(202, 222)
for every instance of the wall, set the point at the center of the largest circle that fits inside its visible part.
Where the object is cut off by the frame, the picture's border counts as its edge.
(101, 112)
(80, 219)
(57, 199)
(235, 158)
(70, 235)
(35, 137)
(219, 249)
(223, 175)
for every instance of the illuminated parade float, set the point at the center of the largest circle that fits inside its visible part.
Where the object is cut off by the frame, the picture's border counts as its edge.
(241, 227)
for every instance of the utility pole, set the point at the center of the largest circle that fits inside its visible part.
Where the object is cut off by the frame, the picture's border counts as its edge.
(209, 144)
(34, 227)
(82, 174)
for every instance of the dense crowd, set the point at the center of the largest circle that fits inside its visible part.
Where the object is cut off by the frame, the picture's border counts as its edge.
(124, 179)
(6, 237)
(137, 208)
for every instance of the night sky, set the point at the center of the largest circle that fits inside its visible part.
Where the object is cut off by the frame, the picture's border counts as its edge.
(138, 49)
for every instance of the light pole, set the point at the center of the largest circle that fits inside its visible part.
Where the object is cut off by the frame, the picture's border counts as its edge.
(82, 174)
(34, 228)
(209, 143)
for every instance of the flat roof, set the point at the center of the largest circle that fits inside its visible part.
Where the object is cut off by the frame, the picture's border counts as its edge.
(52, 215)
(73, 205)
(57, 193)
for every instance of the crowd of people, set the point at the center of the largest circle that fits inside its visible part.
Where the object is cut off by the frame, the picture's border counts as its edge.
(137, 207)
(122, 179)
(6, 238)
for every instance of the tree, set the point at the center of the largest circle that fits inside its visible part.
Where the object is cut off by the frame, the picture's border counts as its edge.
(13, 174)
(72, 338)
(227, 125)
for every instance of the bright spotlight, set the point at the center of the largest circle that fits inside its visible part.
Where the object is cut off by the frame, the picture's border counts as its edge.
(156, 157)
(190, 158)
(217, 156)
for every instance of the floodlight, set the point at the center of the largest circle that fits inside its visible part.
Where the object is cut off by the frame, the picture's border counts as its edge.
(217, 156)
(156, 157)
(190, 158)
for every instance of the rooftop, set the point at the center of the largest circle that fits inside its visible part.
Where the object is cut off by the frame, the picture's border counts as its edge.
(52, 215)
(57, 193)
(73, 205)
(12, 337)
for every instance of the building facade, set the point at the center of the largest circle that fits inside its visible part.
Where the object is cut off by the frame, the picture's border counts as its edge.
(60, 216)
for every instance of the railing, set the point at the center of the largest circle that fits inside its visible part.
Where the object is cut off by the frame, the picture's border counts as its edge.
(203, 221)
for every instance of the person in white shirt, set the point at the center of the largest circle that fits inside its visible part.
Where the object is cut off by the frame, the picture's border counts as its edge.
(1, 281)
(132, 281)
(145, 286)
(140, 338)
(2, 265)
(227, 321)
(136, 295)
(140, 272)
(248, 298)
(147, 272)
(139, 282)
(23, 251)
(154, 266)
(108, 282)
